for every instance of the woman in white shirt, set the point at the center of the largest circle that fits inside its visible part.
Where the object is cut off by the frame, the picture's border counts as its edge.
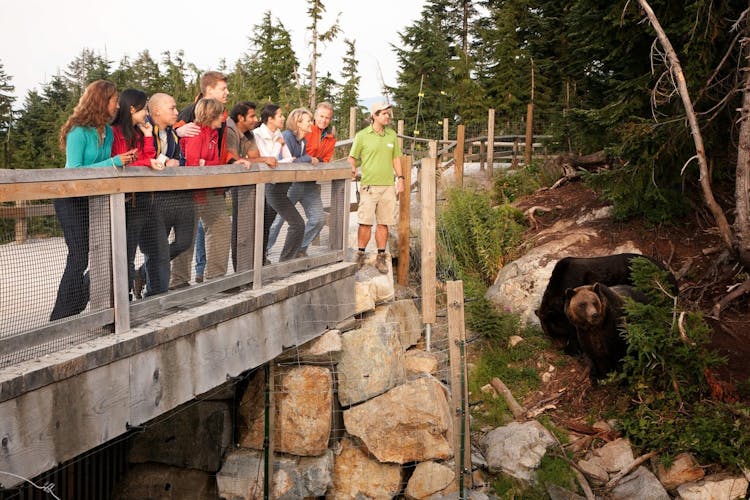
(270, 142)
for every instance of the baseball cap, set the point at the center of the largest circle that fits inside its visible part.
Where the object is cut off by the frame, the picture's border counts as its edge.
(379, 106)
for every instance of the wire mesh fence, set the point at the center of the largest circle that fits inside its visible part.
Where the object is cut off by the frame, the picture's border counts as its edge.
(59, 260)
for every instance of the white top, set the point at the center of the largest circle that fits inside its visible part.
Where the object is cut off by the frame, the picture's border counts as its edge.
(272, 144)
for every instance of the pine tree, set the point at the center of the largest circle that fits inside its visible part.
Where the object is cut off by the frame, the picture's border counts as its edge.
(349, 89)
(6, 114)
(315, 10)
(271, 63)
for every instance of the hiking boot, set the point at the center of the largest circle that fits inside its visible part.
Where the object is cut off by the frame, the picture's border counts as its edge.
(360, 259)
(199, 278)
(381, 264)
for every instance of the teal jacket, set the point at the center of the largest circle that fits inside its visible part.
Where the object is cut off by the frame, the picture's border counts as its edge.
(82, 148)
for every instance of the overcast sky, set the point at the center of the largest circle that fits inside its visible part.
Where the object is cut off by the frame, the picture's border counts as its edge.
(38, 38)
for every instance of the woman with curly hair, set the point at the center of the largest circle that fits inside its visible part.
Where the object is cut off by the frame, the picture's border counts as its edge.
(86, 138)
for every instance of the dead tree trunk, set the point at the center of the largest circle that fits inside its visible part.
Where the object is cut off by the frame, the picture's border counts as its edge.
(674, 66)
(742, 181)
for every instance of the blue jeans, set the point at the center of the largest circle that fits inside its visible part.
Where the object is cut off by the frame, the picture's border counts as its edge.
(200, 250)
(308, 194)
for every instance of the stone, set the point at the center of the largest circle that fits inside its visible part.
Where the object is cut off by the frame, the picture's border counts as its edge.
(372, 361)
(594, 471)
(641, 484)
(404, 315)
(304, 406)
(615, 455)
(489, 390)
(720, 486)
(602, 426)
(517, 448)
(418, 362)
(430, 478)
(556, 492)
(514, 340)
(411, 422)
(243, 473)
(358, 475)
(195, 436)
(326, 348)
(164, 482)
(684, 469)
(364, 297)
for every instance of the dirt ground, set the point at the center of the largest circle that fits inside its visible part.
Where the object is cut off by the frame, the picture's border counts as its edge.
(691, 250)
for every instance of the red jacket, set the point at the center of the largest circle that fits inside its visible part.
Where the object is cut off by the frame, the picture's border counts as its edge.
(204, 146)
(146, 151)
(318, 146)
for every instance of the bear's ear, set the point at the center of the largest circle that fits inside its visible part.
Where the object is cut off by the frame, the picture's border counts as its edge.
(598, 288)
(569, 292)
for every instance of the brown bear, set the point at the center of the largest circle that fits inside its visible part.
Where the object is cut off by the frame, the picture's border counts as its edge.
(571, 272)
(596, 311)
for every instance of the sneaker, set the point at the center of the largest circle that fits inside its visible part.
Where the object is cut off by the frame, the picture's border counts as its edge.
(360, 259)
(199, 278)
(139, 281)
(178, 286)
(301, 253)
(381, 264)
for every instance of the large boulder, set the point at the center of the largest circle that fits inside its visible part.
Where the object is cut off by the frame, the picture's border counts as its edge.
(516, 449)
(357, 475)
(372, 361)
(323, 349)
(431, 478)
(403, 315)
(411, 422)
(304, 405)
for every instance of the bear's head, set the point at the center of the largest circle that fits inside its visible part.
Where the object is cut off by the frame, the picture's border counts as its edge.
(585, 306)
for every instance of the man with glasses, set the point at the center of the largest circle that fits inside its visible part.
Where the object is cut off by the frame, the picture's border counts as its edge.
(377, 152)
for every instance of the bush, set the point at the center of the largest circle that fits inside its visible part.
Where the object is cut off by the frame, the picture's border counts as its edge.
(475, 238)
(666, 387)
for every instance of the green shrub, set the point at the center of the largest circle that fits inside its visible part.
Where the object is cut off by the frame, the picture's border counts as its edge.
(664, 375)
(475, 238)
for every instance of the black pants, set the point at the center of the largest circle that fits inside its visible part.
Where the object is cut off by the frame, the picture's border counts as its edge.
(269, 214)
(73, 291)
(276, 196)
(172, 210)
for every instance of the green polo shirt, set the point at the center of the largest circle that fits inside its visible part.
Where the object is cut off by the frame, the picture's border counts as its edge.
(375, 154)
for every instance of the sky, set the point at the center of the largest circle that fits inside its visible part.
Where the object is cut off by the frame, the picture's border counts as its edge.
(38, 38)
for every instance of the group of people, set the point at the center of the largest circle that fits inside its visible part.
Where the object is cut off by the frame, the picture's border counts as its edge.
(130, 129)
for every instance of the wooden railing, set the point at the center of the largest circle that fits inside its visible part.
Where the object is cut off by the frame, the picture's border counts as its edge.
(111, 307)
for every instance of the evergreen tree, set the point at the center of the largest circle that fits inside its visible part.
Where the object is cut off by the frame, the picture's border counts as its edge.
(6, 114)
(349, 89)
(271, 63)
(84, 69)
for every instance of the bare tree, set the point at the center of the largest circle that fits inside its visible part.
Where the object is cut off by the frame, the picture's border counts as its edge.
(737, 241)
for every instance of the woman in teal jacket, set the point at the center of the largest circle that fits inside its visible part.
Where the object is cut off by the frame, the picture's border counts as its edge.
(86, 139)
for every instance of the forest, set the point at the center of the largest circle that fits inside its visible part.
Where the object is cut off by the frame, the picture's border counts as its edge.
(597, 73)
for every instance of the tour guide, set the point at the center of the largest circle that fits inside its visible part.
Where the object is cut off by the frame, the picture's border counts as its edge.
(378, 153)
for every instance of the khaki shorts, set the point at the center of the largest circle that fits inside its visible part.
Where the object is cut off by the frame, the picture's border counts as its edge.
(377, 203)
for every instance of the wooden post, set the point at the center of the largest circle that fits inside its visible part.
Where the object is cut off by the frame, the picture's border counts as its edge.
(100, 253)
(459, 381)
(482, 156)
(490, 142)
(433, 149)
(245, 227)
(400, 133)
(258, 252)
(427, 182)
(458, 156)
(404, 224)
(22, 226)
(120, 278)
(352, 122)
(338, 230)
(445, 135)
(529, 129)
